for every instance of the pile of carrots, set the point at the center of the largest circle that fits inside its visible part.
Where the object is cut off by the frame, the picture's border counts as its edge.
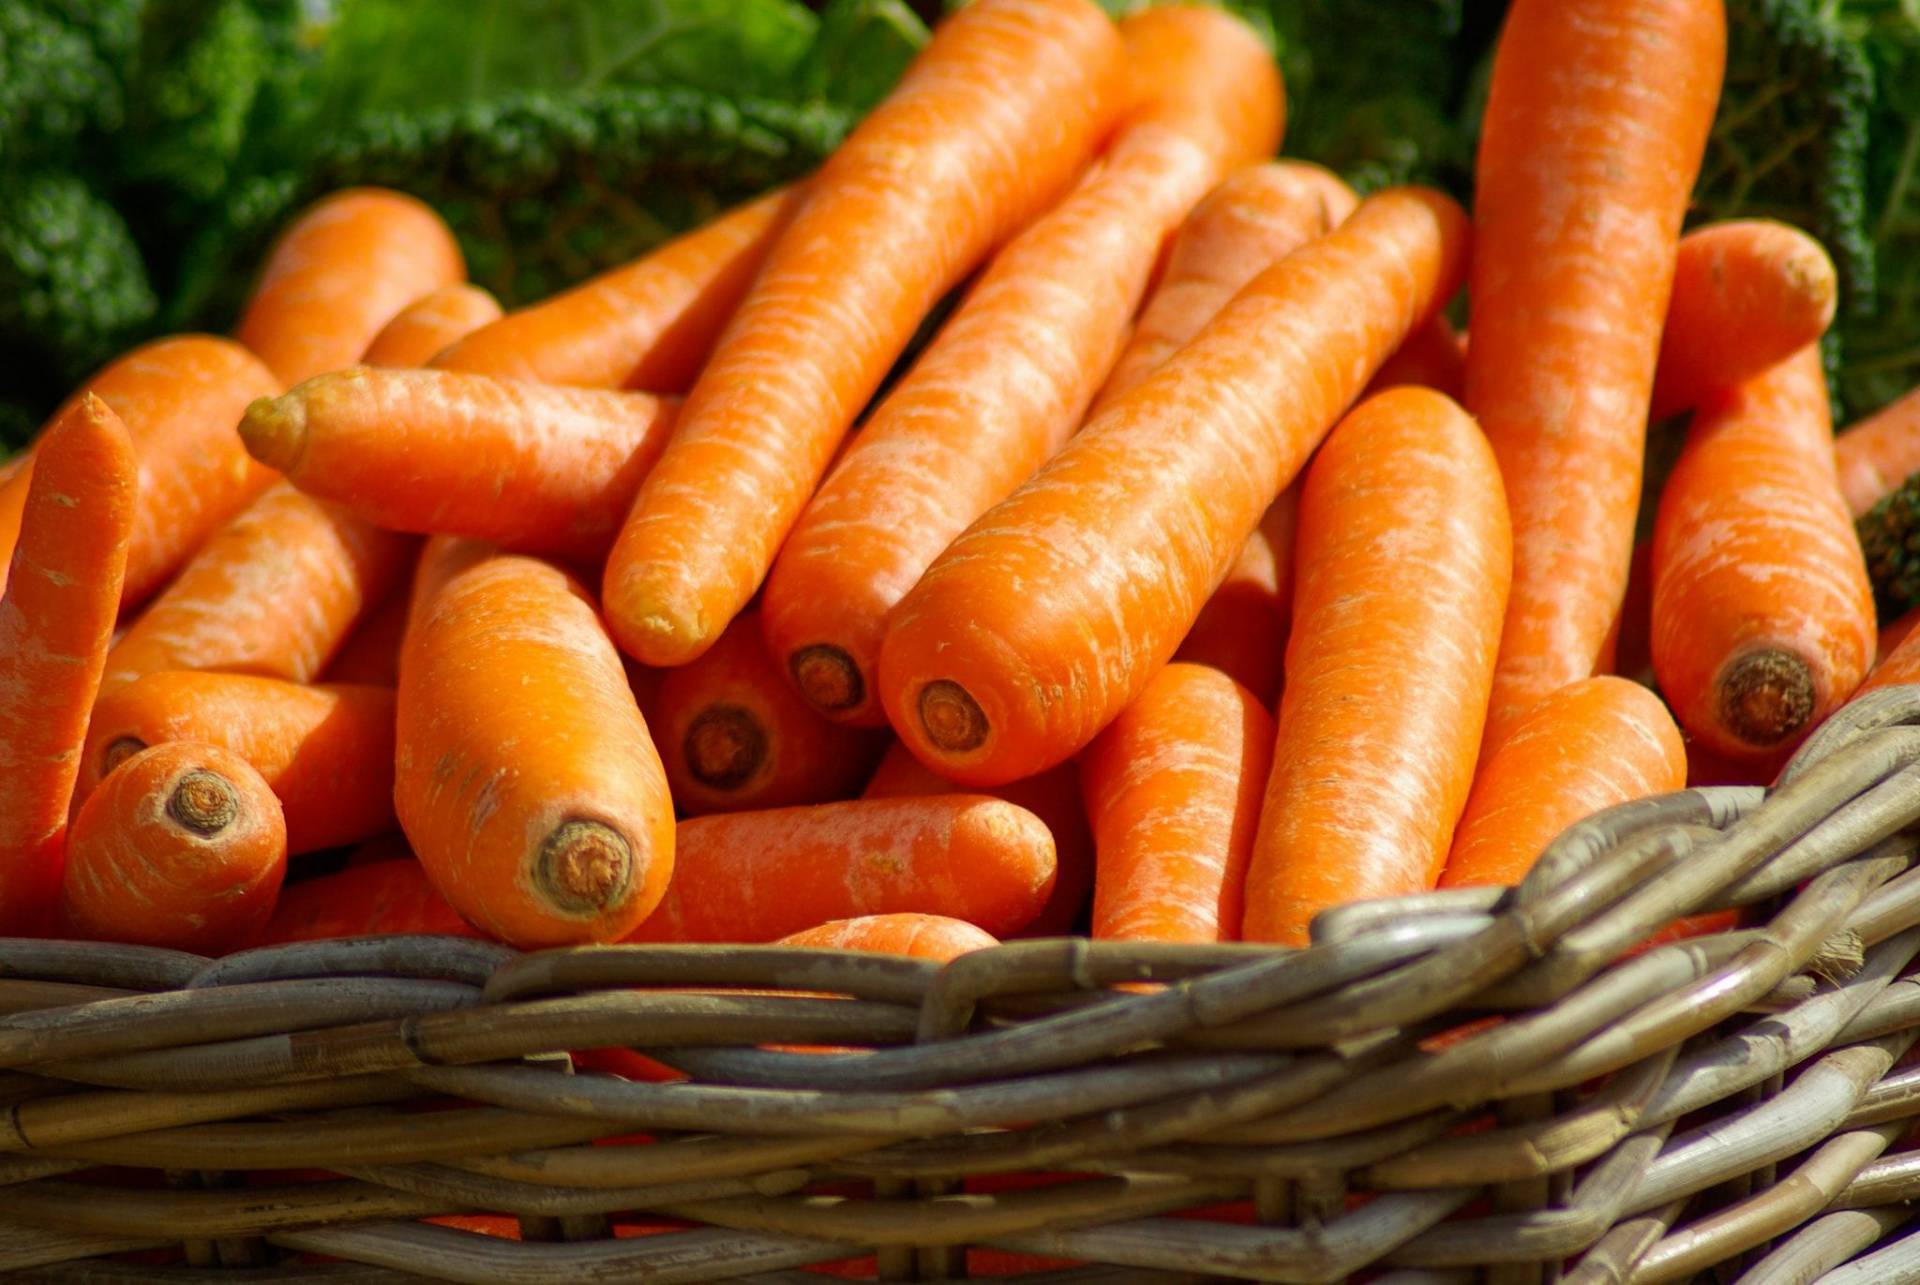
(1195, 577)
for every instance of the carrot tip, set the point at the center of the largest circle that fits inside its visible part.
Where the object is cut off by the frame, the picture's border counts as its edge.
(827, 677)
(725, 745)
(952, 719)
(274, 430)
(1765, 696)
(584, 867)
(119, 752)
(204, 803)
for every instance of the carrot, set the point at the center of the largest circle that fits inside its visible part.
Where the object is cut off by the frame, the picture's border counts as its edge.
(1893, 633)
(1588, 746)
(733, 734)
(375, 899)
(1880, 452)
(182, 846)
(1747, 294)
(1433, 357)
(757, 876)
(274, 593)
(1404, 562)
(987, 128)
(326, 752)
(1595, 125)
(649, 324)
(1629, 648)
(934, 937)
(1009, 377)
(371, 654)
(1763, 619)
(343, 268)
(536, 468)
(431, 324)
(1173, 787)
(525, 778)
(55, 619)
(1042, 621)
(1242, 631)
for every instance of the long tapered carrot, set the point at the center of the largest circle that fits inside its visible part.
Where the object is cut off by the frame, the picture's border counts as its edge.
(1595, 125)
(1009, 377)
(1877, 454)
(1173, 787)
(431, 324)
(1763, 617)
(1056, 607)
(55, 620)
(343, 269)
(376, 899)
(988, 126)
(326, 752)
(1405, 556)
(182, 846)
(1433, 357)
(1242, 631)
(1588, 746)
(525, 778)
(937, 937)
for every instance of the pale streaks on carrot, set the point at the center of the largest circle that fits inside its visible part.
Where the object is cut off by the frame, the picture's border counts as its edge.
(1433, 357)
(935, 937)
(431, 324)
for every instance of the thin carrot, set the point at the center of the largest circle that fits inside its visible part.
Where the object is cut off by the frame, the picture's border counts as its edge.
(375, 899)
(1041, 622)
(987, 128)
(1433, 357)
(371, 654)
(344, 267)
(525, 778)
(757, 876)
(1242, 631)
(1763, 618)
(326, 752)
(1880, 452)
(649, 324)
(55, 619)
(1173, 787)
(431, 324)
(936, 937)
(182, 846)
(1404, 560)
(1595, 125)
(1588, 746)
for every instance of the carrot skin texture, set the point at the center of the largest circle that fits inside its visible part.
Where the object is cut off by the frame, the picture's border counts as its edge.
(935, 937)
(1595, 126)
(1880, 452)
(1117, 541)
(55, 619)
(1405, 556)
(987, 128)
(1242, 631)
(431, 324)
(1433, 357)
(381, 897)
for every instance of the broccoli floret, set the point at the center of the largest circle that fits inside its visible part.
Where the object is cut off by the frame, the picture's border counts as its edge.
(62, 68)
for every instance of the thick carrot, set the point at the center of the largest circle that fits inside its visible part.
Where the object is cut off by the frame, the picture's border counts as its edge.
(342, 270)
(757, 876)
(1629, 649)
(987, 128)
(1880, 452)
(1588, 746)
(1763, 618)
(375, 899)
(1242, 631)
(649, 324)
(1404, 560)
(371, 654)
(431, 324)
(55, 619)
(326, 752)
(274, 593)
(1173, 787)
(182, 846)
(1595, 125)
(1433, 357)
(1041, 622)
(936, 937)
(525, 778)
(1009, 377)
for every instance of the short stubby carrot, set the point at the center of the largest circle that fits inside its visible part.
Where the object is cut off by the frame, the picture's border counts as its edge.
(524, 775)
(1433, 357)
(1009, 377)
(1173, 787)
(1055, 608)
(1405, 555)
(936, 937)
(343, 269)
(1763, 616)
(648, 324)
(989, 125)
(56, 618)
(1588, 746)
(371, 900)
(1595, 126)
(757, 876)
(431, 324)
(182, 846)
(530, 467)
(326, 752)
(1877, 454)
(1242, 631)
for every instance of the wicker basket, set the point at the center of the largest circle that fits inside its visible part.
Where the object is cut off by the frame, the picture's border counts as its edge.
(1476, 1085)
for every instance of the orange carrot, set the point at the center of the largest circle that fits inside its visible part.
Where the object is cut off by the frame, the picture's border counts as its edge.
(1595, 125)
(1242, 631)
(934, 937)
(1009, 377)
(430, 324)
(371, 654)
(326, 752)
(370, 900)
(1041, 622)
(1173, 787)
(986, 129)
(1763, 617)
(1404, 560)
(1588, 746)
(757, 876)
(1629, 649)
(1893, 633)
(55, 619)
(1433, 357)
(525, 778)
(649, 324)
(1880, 452)
(182, 846)
(343, 268)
